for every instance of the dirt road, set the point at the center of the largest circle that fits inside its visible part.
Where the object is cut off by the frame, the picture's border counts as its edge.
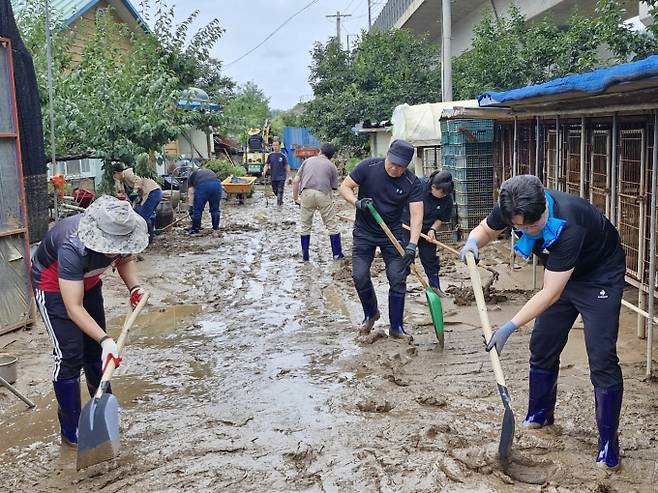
(246, 374)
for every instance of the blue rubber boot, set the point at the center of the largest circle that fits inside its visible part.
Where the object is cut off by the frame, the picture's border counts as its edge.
(336, 247)
(370, 311)
(306, 241)
(395, 314)
(608, 408)
(93, 376)
(67, 393)
(542, 395)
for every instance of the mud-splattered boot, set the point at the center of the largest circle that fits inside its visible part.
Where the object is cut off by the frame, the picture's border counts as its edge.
(435, 284)
(541, 398)
(395, 314)
(608, 408)
(306, 241)
(336, 247)
(67, 393)
(370, 311)
(93, 376)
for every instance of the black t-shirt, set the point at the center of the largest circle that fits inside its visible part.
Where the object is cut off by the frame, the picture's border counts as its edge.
(589, 243)
(390, 195)
(199, 176)
(433, 208)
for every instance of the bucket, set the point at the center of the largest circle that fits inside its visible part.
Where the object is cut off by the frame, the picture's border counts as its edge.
(8, 367)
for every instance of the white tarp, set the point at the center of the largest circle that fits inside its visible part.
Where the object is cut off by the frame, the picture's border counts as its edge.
(419, 124)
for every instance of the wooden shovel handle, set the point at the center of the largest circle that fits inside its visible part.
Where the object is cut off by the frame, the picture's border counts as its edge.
(121, 341)
(396, 243)
(435, 241)
(484, 316)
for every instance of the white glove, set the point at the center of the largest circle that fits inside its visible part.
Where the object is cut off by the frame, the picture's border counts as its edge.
(110, 352)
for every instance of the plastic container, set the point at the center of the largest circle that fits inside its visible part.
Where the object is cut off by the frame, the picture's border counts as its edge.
(468, 149)
(164, 214)
(8, 364)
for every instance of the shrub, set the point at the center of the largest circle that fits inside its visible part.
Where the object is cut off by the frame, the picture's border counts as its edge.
(223, 168)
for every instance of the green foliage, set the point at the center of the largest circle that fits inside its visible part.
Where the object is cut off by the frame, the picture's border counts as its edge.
(351, 164)
(509, 52)
(385, 69)
(290, 118)
(223, 168)
(247, 107)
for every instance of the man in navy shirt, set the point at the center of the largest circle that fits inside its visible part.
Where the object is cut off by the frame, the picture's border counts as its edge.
(389, 186)
(437, 209)
(203, 188)
(277, 164)
(584, 274)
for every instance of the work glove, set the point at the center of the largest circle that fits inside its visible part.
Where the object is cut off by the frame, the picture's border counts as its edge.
(470, 246)
(133, 197)
(362, 204)
(432, 233)
(110, 352)
(135, 296)
(409, 254)
(190, 210)
(500, 336)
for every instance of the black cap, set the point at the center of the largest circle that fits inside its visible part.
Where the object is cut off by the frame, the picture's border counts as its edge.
(401, 152)
(118, 167)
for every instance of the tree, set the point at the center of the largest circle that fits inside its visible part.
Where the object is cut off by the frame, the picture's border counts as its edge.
(247, 107)
(509, 52)
(384, 69)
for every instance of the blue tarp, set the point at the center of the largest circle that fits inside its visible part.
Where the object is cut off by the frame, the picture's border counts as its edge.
(590, 82)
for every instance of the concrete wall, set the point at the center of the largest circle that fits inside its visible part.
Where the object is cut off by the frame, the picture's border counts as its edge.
(424, 16)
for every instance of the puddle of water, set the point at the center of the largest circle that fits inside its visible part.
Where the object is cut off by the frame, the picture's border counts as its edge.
(163, 321)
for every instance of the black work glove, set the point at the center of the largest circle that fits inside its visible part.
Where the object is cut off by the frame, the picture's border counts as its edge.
(409, 254)
(362, 204)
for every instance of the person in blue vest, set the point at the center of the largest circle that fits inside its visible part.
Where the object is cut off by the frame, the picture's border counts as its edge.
(203, 188)
(437, 209)
(584, 274)
(277, 165)
(390, 187)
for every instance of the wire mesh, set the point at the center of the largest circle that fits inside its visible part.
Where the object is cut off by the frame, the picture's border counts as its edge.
(647, 200)
(550, 172)
(431, 159)
(599, 181)
(525, 158)
(629, 189)
(573, 163)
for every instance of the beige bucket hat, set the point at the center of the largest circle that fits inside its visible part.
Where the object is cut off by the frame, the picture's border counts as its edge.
(111, 226)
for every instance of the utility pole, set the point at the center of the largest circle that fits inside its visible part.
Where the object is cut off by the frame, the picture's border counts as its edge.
(446, 58)
(338, 17)
(369, 15)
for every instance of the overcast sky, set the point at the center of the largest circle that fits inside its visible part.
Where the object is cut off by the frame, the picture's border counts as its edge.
(280, 66)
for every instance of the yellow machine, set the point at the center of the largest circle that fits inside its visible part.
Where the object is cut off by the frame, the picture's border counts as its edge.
(257, 149)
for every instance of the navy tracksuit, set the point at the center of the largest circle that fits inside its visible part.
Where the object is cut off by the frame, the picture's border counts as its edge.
(207, 192)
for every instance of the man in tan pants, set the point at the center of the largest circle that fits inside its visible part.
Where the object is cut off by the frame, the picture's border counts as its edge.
(315, 181)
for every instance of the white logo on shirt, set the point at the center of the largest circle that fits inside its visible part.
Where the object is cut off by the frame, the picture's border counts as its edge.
(399, 191)
(602, 295)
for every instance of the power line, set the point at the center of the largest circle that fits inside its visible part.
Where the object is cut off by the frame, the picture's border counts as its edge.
(272, 33)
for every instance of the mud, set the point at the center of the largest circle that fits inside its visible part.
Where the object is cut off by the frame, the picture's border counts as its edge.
(247, 374)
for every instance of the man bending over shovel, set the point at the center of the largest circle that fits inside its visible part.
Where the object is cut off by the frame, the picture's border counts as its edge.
(584, 274)
(389, 186)
(66, 271)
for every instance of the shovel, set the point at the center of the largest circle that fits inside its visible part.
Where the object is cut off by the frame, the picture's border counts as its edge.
(98, 428)
(507, 432)
(433, 300)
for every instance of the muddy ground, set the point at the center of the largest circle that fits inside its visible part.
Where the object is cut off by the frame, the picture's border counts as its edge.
(247, 374)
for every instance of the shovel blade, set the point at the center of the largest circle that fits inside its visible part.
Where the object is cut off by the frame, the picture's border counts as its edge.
(436, 311)
(508, 427)
(98, 431)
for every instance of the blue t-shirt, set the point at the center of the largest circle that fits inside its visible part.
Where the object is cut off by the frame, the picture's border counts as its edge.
(390, 195)
(278, 163)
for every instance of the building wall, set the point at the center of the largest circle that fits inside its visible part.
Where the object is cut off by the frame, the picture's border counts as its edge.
(193, 145)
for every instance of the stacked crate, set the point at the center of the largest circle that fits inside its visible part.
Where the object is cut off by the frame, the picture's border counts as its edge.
(467, 152)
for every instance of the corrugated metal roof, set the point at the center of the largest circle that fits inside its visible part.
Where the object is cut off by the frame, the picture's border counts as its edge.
(70, 10)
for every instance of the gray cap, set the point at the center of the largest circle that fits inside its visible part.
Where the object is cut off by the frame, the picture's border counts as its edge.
(401, 152)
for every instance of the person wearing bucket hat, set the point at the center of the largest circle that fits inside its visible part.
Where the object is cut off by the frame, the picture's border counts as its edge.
(148, 193)
(66, 269)
(390, 186)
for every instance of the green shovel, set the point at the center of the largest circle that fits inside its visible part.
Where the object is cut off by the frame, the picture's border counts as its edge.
(433, 300)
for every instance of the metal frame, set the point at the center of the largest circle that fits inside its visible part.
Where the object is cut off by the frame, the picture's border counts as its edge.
(22, 231)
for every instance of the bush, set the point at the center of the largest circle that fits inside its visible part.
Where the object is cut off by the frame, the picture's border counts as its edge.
(223, 169)
(351, 164)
